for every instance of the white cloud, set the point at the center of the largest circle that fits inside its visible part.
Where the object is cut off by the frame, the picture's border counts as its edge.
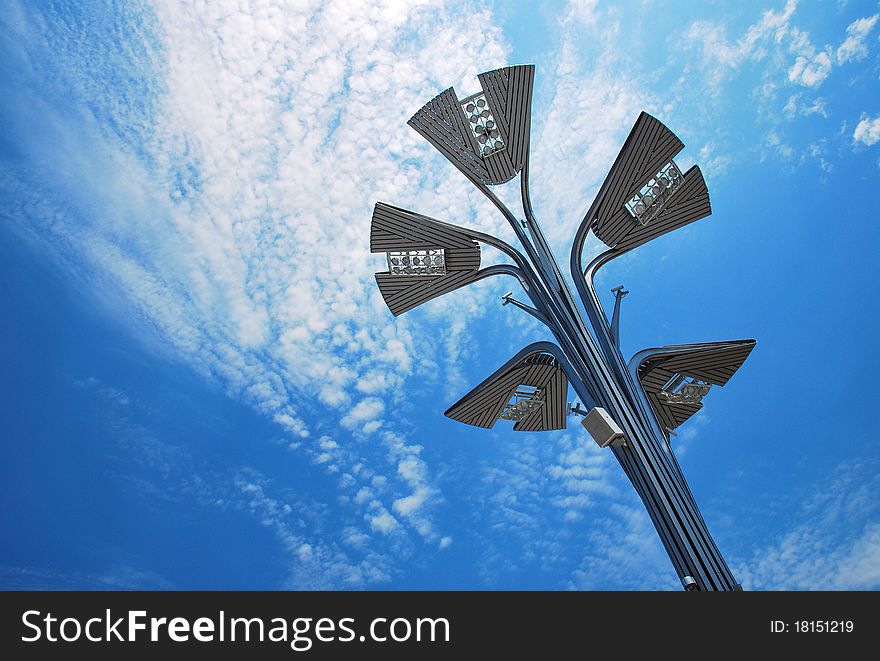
(383, 522)
(770, 28)
(831, 543)
(233, 212)
(776, 146)
(813, 66)
(860, 566)
(410, 504)
(720, 57)
(583, 12)
(596, 98)
(107, 392)
(688, 432)
(316, 563)
(816, 108)
(413, 470)
(766, 41)
(811, 70)
(120, 577)
(173, 476)
(853, 48)
(558, 508)
(817, 151)
(794, 107)
(791, 106)
(625, 551)
(770, 56)
(364, 411)
(867, 130)
(713, 164)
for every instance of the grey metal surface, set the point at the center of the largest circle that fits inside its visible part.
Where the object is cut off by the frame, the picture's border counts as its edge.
(648, 148)
(482, 406)
(710, 362)
(509, 90)
(395, 229)
(603, 428)
(443, 122)
(690, 202)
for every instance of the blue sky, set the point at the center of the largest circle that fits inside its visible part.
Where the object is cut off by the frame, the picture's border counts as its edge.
(201, 386)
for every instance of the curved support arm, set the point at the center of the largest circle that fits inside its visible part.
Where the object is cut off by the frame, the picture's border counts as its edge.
(543, 248)
(584, 281)
(522, 271)
(541, 241)
(588, 292)
(522, 263)
(524, 191)
(629, 380)
(536, 294)
(736, 353)
(503, 269)
(554, 274)
(532, 311)
(583, 277)
(563, 322)
(508, 214)
(516, 272)
(577, 247)
(638, 358)
(536, 256)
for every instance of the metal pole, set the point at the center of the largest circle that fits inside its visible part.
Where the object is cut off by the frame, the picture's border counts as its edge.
(486, 136)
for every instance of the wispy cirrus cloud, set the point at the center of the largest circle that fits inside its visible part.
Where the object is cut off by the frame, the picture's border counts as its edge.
(782, 64)
(777, 41)
(314, 563)
(598, 90)
(318, 552)
(228, 197)
(223, 187)
(833, 542)
(812, 65)
(556, 503)
(720, 54)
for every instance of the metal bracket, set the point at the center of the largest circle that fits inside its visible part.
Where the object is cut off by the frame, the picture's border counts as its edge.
(576, 409)
(619, 293)
(509, 300)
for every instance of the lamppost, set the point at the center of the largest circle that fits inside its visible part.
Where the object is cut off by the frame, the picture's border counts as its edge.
(631, 407)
